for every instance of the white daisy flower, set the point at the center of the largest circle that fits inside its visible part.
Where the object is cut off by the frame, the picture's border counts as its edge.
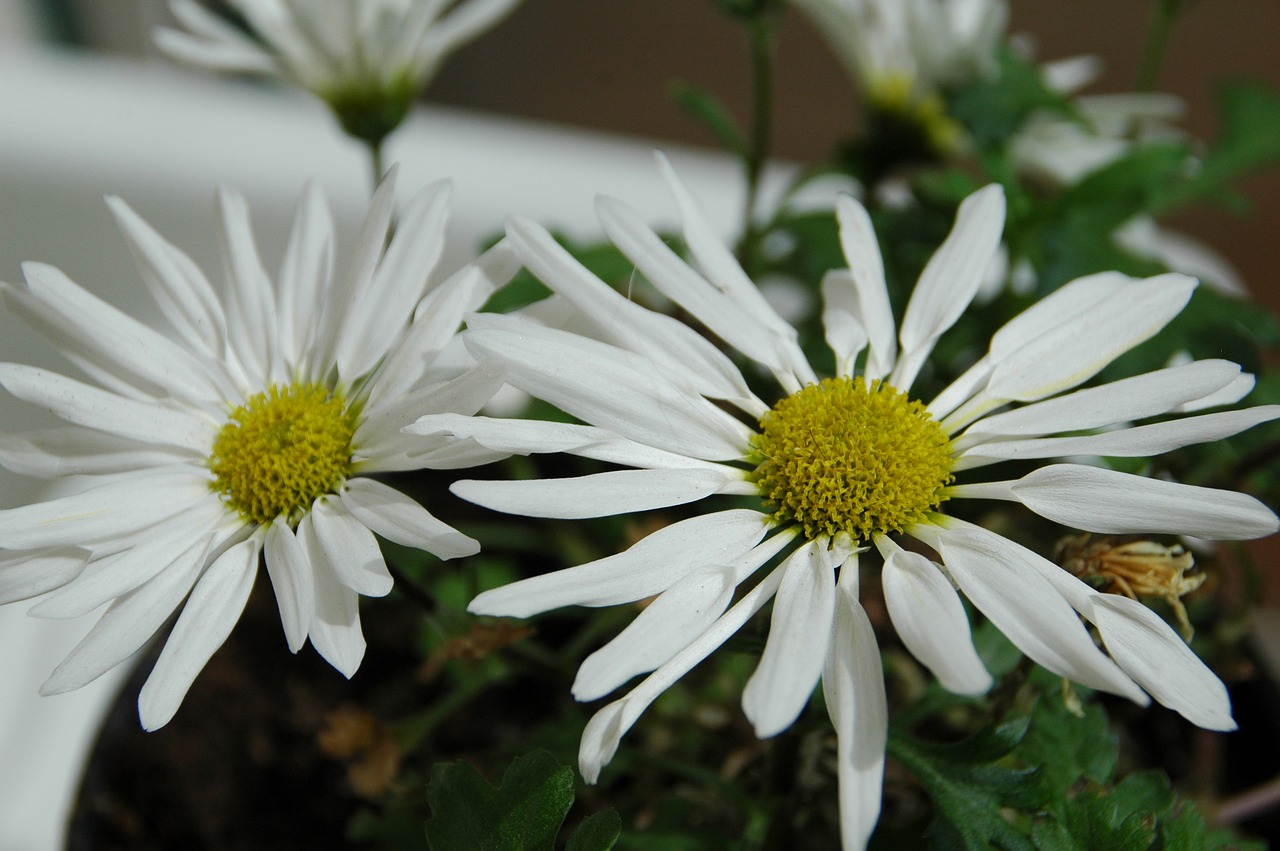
(367, 59)
(252, 430)
(846, 464)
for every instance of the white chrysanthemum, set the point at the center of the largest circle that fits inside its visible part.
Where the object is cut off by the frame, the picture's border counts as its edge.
(846, 464)
(924, 44)
(252, 431)
(366, 58)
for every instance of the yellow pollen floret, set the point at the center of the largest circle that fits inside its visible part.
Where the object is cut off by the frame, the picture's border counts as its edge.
(842, 456)
(281, 450)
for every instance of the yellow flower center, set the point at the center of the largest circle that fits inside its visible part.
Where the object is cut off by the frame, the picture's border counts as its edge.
(839, 456)
(895, 95)
(281, 450)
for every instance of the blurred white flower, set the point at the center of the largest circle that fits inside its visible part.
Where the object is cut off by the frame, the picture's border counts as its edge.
(250, 432)
(843, 465)
(368, 59)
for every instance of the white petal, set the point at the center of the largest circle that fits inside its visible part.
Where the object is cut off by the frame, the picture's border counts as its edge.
(251, 307)
(379, 315)
(114, 510)
(607, 387)
(181, 290)
(335, 625)
(1077, 348)
(208, 617)
(995, 575)
(605, 729)
(663, 628)
(650, 566)
(25, 575)
(380, 432)
(85, 326)
(862, 253)
(595, 495)
(123, 629)
(75, 450)
(173, 545)
(680, 349)
(400, 519)
(291, 578)
(1111, 502)
(1139, 441)
(349, 548)
(950, 279)
(844, 332)
(799, 633)
(853, 684)
(305, 275)
(88, 406)
(1240, 387)
(930, 619)
(1149, 651)
(1141, 396)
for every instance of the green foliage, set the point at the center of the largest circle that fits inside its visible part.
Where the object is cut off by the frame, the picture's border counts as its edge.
(991, 110)
(710, 112)
(523, 814)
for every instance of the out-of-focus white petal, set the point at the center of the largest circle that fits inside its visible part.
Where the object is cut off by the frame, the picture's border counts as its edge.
(650, 566)
(595, 495)
(853, 685)
(207, 619)
(799, 633)
(291, 578)
(400, 519)
(930, 619)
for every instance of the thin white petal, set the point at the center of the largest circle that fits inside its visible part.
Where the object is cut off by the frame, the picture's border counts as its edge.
(606, 728)
(349, 548)
(291, 578)
(1139, 441)
(380, 432)
(862, 253)
(251, 307)
(208, 617)
(88, 406)
(650, 566)
(1150, 651)
(305, 275)
(25, 575)
(663, 628)
(1112, 502)
(608, 387)
(950, 279)
(595, 495)
(335, 625)
(400, 519)
(1240, 387)
(799, 633)
(853, 685)
(75, 450)
(930, 619)
(994, 574)
(111, 511)
(845, 333)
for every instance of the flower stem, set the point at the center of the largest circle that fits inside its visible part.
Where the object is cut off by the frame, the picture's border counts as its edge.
(760, 37)
(375, 163)
(1157, 41)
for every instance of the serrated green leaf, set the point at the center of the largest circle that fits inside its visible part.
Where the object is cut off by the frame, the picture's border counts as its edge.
(970, 786)
(991, 110)
(1183, 831)
(1145, 792)
(1068, 747)
(523, 814)
(598, 832)
(1095, 821)
(1050, 835)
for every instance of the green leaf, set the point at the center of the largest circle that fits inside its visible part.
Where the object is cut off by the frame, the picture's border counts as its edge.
(970, 784)
(598, 832)
(709, 111)
(523, 814)
(1095, 821)
(1068, 747)
(991, 110)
